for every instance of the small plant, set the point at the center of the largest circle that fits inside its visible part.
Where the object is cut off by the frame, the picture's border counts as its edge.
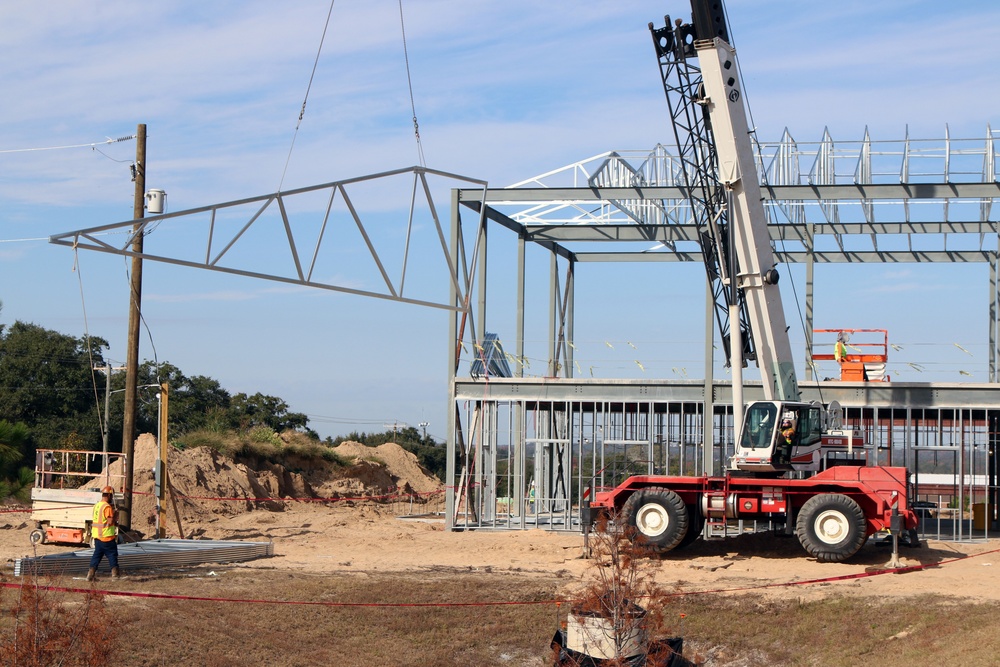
(333, 457)
(46, 632)
(222, 443)
(264, 435)
(621, 611)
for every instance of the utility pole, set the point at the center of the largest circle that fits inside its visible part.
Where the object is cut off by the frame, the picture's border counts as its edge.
(107, 401)
(134, 309)
(424, 426)
(394, 426)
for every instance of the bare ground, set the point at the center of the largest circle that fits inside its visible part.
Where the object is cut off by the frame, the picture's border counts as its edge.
(332, 540)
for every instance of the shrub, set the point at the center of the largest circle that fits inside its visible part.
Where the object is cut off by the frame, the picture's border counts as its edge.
(226, 444)
(45, 631)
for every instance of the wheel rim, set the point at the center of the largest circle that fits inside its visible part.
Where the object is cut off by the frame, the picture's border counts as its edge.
(652, 520)
(831, 527)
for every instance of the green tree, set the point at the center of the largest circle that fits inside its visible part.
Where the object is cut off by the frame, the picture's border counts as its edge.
(47, 382)
(13, 440)
(262, 410)
(193, 402)
(53, 389)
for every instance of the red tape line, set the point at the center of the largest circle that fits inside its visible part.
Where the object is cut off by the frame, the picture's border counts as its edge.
(301, 500)
(193, 598)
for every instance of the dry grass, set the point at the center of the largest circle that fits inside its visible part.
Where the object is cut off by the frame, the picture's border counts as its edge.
(724, 631)
(41, 628)
(842, 631)
(231, 634)
(261, 443)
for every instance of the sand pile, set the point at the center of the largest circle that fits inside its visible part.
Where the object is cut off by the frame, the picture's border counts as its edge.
(210, 485)
(399, 464)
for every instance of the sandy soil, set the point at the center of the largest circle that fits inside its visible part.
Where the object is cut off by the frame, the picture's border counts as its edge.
(350, 536)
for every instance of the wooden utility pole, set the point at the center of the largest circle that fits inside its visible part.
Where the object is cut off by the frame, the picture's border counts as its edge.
(134, 309)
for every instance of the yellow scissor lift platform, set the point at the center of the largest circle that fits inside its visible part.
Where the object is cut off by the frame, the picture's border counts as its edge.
(65, 492)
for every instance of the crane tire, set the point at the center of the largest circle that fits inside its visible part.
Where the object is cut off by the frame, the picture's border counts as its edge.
(831, 527)
(696, 523)
(658, 517)
(37, 536)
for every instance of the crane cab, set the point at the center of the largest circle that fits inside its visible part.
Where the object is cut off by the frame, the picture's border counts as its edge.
(775, 433)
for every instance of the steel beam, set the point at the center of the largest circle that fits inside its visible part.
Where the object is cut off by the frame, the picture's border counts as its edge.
(841, 192)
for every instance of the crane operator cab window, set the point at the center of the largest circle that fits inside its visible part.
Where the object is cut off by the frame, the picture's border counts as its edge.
(775, 430)
(758, 427)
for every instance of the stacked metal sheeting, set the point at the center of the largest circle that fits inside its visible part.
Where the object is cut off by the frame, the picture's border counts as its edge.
(147, 555)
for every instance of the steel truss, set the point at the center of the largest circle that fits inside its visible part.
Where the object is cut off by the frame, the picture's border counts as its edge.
(227, 227)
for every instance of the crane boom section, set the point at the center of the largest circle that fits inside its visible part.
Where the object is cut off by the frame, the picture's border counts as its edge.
(737, 167)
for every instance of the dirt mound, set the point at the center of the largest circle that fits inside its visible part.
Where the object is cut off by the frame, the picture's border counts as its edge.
(401, 465)
(210, 486)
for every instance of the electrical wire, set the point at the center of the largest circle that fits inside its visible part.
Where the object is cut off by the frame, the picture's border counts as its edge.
(142, 319)
(302, 111)
(86, 335)
(93, 145)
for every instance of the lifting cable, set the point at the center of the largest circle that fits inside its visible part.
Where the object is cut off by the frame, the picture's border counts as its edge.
(409, 83)
(302, 111)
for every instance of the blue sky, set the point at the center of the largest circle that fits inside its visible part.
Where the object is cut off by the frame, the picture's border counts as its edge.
(503, 91)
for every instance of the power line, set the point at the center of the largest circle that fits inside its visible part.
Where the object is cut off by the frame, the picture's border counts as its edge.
(92, 145)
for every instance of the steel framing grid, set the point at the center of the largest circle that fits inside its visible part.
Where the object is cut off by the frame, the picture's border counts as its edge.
(571, 437)
(828, 202)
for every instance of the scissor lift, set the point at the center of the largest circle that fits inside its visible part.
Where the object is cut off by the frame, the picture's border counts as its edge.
(65, 493)
(867, 353)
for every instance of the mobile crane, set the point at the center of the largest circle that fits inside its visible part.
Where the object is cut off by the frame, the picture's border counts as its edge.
(779, 470)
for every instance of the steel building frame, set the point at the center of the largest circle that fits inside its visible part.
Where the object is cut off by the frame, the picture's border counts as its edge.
(830, 202)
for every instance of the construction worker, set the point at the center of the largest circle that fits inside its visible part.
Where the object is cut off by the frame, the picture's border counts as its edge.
(788, 430)
(105, 533)
(840, 348)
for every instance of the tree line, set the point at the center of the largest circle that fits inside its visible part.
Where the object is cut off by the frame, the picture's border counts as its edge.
(53, 389)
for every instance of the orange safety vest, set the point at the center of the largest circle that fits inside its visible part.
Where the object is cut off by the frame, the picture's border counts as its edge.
(103, 525)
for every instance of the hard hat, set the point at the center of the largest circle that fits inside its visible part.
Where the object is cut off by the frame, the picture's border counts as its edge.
(108, 490)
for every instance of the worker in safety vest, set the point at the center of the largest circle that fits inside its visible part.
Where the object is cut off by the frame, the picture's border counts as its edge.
(840, 348)
(105, 533)
(788, 430)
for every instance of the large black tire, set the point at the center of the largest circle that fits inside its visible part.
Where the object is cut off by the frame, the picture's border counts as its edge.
(658, 517)
(831, 527)
(696, 524)
(37, 536)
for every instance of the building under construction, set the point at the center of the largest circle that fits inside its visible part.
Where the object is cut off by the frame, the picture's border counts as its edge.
(527, 446)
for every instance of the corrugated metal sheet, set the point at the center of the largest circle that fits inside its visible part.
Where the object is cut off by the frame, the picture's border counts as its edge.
(147, 555)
